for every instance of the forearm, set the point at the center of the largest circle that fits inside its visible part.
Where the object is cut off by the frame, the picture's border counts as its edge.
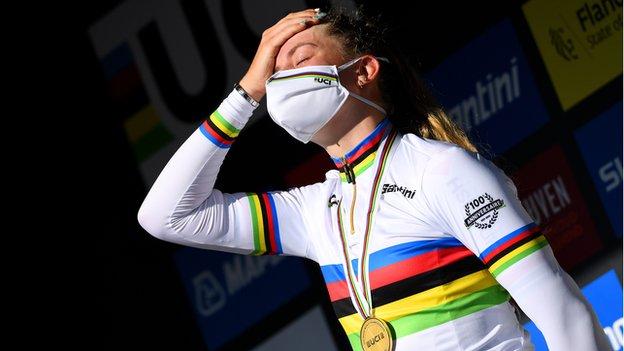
(188, 178)
(554, 302)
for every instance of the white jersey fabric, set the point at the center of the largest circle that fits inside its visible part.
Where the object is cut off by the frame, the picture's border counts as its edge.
(450, 243)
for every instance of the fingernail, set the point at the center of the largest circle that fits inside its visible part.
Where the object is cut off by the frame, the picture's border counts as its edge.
(319, 15)
(317, 9)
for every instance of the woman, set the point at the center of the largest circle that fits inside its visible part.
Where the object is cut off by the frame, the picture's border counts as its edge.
(422, 242)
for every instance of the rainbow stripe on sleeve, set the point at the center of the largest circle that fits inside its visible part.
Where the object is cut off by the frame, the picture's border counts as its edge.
(513, 247)
(218, 130)
(265, 227)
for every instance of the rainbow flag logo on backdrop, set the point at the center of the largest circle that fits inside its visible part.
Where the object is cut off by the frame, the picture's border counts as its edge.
(142, 124)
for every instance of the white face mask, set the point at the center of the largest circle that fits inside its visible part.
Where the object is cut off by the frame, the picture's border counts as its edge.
(303, 100)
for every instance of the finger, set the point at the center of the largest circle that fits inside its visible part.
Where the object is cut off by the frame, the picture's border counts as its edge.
(288, 29)
(298, 13)
(278, 29)
(299, 16)
(305, 13)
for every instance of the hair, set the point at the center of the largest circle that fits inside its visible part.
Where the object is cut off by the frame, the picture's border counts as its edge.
(411, 106)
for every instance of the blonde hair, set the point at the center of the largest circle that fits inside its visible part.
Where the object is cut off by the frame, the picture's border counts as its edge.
(438, 125)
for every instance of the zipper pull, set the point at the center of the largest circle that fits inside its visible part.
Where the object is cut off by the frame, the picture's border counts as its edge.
(348, 170)
(351, 179)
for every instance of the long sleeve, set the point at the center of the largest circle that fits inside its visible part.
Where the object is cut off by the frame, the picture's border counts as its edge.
(472, 199)
(182, 206)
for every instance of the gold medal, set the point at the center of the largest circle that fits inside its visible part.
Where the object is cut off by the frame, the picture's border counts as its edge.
(375, 335)
(375, 332)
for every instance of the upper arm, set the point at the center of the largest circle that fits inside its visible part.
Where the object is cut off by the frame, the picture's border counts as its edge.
(472, 199)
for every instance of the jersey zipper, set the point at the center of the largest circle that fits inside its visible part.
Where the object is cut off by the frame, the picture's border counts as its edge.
(351, 179)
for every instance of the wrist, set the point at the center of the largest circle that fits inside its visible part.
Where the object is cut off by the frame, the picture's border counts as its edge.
(255, 93)
(236, 109)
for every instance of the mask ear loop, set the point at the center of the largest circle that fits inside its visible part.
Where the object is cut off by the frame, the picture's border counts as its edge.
(361, 98)
(348, 64)
(368, 102)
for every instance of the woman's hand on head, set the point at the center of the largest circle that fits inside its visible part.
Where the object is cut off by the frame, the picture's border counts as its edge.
(263, 64)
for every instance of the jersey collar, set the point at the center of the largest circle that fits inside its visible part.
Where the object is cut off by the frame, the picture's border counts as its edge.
(362, 156)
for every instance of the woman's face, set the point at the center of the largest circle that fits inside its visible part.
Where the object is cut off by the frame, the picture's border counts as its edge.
(311, 47)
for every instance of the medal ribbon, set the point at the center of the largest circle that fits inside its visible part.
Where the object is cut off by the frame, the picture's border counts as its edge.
(364, 305)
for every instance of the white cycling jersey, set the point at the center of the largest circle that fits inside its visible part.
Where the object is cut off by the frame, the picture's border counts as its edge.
(449, 245)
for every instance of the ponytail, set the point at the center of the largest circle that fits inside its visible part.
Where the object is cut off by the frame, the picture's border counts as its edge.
(412, 107)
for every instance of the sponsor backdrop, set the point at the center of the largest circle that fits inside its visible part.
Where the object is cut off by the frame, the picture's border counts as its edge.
(600, 141)
(223, 288)
(537, 87)
(579, 41)
(488, 88)
(552, 197)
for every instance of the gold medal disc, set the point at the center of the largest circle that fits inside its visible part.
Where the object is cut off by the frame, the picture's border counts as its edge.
(375, 335)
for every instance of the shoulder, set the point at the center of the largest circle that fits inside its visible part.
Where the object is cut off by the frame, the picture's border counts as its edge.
(462, 172)
(424, 147)
(432, 154)
(458, 162)
(425, 155)
(442, 164)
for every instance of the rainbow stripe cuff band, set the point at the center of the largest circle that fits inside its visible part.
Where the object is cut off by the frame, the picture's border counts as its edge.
(265, 227)
(219, 130)
(513, 247)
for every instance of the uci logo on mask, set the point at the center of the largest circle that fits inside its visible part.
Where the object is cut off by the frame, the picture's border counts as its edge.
(322, 80)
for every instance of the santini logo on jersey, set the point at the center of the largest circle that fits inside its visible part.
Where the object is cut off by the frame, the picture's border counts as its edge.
(390, 188)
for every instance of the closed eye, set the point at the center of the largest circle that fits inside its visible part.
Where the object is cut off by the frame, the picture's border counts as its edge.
(305, 59)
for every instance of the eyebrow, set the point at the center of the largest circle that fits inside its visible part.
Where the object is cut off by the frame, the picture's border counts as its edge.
(292, 50)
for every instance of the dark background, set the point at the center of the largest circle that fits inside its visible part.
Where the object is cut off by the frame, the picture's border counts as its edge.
(116, 287)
